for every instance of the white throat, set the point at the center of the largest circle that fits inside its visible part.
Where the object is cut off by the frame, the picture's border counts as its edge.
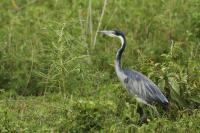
(120, 74)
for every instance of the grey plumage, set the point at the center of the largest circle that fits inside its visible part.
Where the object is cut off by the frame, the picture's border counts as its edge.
(143, 88)
(135, 82)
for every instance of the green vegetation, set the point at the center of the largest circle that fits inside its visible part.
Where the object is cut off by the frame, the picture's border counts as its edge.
(54, 76)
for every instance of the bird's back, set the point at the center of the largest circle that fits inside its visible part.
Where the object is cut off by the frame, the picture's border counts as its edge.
(142, 87)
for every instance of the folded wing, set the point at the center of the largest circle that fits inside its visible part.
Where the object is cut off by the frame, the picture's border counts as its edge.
(143, 88)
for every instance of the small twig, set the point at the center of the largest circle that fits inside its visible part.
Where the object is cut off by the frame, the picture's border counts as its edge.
(90, 20)
(31, 69)
(99, 24)
(171, 48)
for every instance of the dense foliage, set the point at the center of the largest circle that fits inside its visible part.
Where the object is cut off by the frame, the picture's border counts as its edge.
(55, 76)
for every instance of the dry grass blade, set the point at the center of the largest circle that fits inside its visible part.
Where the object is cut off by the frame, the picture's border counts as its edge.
(99, 24)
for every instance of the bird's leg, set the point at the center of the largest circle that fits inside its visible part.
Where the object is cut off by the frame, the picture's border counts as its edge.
(143, 117)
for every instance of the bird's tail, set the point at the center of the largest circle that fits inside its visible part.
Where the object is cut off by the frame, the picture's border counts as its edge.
(165, 106)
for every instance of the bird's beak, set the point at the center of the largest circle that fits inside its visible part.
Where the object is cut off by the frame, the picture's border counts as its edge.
(102, 31)
(107, 32)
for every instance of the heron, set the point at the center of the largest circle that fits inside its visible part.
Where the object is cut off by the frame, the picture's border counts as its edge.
(137, 84)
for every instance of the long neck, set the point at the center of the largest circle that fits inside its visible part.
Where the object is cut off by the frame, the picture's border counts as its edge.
(120, 52)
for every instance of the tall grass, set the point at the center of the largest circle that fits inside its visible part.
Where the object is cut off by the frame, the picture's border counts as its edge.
(53, 47)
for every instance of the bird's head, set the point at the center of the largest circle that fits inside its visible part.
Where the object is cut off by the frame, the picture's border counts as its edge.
(113, 33)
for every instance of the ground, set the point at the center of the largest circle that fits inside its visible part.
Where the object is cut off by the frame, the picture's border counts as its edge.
(57, 73)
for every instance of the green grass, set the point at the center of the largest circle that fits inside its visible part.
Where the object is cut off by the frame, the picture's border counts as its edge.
(54, 79)
(55, 113)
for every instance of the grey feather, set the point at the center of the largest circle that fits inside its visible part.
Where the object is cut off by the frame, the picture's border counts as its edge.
(143, 88)
(136, 83)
